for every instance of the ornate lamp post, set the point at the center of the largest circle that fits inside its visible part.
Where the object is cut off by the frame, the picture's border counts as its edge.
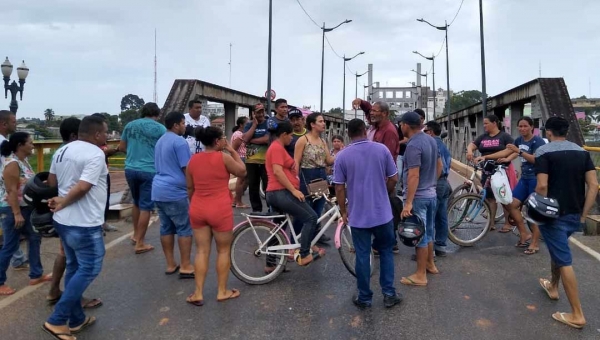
(14, 88)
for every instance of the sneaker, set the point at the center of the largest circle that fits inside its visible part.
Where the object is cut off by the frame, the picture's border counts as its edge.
(440, 253)
(396, 250)
(360, 304)
(390, 301)
(109, 228)
(22, 266)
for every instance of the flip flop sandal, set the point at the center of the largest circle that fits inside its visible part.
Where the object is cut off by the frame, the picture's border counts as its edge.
(504, 231)
(7, 292)
(40, 280)
(544, 283)
(145, 250)
(93, 303)
(172, 271)
(58, 336)
(523, 244)
(232, 296)
(298, 258)
(54, 301)
(530, 251)
(561, 318)
(183, 276)
(409, 282)
(88, 322)
(197, 303)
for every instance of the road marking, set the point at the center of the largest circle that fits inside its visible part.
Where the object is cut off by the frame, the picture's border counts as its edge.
(585, 248)
(30, 289)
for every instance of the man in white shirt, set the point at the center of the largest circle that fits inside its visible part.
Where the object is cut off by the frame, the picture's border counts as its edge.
(194, 119)
(79, 171)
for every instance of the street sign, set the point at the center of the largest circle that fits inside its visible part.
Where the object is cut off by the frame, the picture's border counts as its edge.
(273, 94)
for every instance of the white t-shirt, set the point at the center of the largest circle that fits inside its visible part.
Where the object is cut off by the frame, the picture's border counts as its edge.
(195, 146)
(83, 161)
(2, 139)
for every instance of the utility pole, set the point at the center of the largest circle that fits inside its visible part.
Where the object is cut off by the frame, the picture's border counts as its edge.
(230, 64)
(155, 97)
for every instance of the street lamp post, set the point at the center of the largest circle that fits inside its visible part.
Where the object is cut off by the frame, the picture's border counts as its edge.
(323, 54)
(484, 94)
(269, 58)
(356, 89)
(344, 90)
(426, 92)
(367, 98)
(432, 58)
(445, 28)
(14, 88)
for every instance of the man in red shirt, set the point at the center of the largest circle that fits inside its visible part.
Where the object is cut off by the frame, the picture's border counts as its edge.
(382, 130)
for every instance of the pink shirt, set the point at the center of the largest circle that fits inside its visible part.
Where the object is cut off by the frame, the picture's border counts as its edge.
(242, 149)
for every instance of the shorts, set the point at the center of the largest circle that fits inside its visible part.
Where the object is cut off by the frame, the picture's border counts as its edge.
(556, 235)
(425, 209)
(524, 188)
(174, 218)
(218, 217)
(489, 191)
(140, 185)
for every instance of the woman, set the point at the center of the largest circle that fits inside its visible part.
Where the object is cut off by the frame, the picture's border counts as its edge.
(525, 147)
(312, 157)
(337, 143)
(211, 215)
(492, 146)
(284, 195)
(238, 144)
(16, 214)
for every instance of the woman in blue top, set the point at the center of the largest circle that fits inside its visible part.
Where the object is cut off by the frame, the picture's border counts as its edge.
(524, 147)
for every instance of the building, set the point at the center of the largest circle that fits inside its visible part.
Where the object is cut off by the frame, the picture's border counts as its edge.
(404, 99)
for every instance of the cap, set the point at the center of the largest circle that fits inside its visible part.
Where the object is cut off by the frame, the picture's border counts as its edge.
(294, 113)
(259, 107)
(411, 118)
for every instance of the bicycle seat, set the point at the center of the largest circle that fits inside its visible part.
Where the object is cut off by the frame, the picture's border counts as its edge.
(265, 214)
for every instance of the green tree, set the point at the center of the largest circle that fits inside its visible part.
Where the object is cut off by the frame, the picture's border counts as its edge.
(49, 115)
(131, 102)
(44, 132)
(463, 99)
(336, 111)
(128, 116)
(586, 126)
(112, 121)
(31, 126)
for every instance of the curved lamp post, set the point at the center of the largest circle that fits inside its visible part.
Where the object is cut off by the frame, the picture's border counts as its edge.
(14, 88)
(325, 30)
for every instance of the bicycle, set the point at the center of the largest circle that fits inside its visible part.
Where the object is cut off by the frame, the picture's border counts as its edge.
(469, 186)
(469, 207)
(273, 241)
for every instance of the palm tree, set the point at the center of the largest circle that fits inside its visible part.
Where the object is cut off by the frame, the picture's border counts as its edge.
(49, 114)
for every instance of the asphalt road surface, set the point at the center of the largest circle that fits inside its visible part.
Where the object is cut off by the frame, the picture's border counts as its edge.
(489, 291)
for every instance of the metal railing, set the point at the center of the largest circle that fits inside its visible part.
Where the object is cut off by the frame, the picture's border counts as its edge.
(595, 154)
(43, 151)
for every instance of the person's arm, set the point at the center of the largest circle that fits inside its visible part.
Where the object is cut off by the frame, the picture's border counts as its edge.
(403, 141)
(392, 142)
(439, 167)
(592, 192)
(512, 157)
(391, 173)
(329, 159)
(470, 149)
(233, 162)
(285, 182)
(122, 147)
(411, 190)
(189, 180)
(340, 194)
(11, 182)
(299, 151)
(249, 131)
(52, 181)
(90, 176)
(260, 140)
(237, 141)
(497, 155)
(542, 168)
(542, 184)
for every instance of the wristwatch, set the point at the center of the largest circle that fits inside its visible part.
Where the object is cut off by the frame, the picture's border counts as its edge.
(520, 152)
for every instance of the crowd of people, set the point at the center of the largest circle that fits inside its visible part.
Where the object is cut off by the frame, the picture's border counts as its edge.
(182, 168)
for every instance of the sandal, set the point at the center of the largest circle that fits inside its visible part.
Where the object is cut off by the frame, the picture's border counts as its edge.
(410, 282)
(234, 294)
(530, 251)
(92, 303)
(197, 303)
(545, 285)
(560, 317)
(58, 336)
(42, 279)
(88, 322)
(7, 291)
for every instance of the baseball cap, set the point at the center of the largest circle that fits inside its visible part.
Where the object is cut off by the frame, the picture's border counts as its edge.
(411, 118)
(294, 113)
(259, 107)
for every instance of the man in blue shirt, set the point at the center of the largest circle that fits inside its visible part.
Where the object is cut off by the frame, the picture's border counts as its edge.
(256, 137)
(138, 141)
(443, 190)
(169, 193)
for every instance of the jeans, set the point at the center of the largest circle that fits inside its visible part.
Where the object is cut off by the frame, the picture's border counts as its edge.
(256, 173)
(84, 249)
(140, 186)
(443, 191)
(556, 236)
(425, 209)
(18, 258)
(382, 240)
(284, 201)
(174, 218)
(399, 163)
(11, 243)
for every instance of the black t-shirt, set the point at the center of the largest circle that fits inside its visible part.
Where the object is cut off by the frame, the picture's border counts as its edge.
(402, 145)
(489, 145)
(566, 164)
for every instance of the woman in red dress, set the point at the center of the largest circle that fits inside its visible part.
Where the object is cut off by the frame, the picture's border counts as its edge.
(211, 214)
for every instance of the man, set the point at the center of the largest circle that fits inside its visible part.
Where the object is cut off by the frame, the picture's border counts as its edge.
(194, 119)
(79, 171)
(8, 125)
(421, 114)
(400, 160)
(169, 192)
(281, 115)
(257, 141)
(563, 171)
(442, 190)
(422, 168)
(385, 132)
(368, 173)
(366, 107)
(138, 142)
(299, 125)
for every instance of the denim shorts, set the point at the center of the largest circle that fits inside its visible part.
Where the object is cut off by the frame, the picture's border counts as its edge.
(174, 218)
(140, 185)
(524, 188)
(425, 209)
(556, 235)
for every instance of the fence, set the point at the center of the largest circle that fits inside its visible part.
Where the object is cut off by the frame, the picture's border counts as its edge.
(43, 151)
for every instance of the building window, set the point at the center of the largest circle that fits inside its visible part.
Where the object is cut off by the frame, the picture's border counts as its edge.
(399, 94)
(389, 94)
(408, 94)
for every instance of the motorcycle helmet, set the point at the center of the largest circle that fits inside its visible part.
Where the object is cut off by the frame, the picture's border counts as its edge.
(397, 206)
(36, 193)
(540, 209)
(43, 224)
(411, 230)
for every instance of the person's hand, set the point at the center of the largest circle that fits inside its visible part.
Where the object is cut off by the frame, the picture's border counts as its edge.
(19, 220)
(469, 156)
(479, 159)
(299, 195)
(56, 204)
(512, 148)
(345, 218)
(356, 102)
(407, 210)
(502, 160)
(254, 121)
(229, 148)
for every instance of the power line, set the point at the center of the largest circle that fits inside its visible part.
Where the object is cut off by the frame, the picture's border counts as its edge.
(440, 51)
(308, 15)
(328, 43)
(461, 3)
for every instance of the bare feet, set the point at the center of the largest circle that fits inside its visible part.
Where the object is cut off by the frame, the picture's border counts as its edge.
(144, 248)
(432, 269)
(42, 279)
(6, 290)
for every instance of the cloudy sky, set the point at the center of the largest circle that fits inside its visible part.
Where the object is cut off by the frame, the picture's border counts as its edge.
(86, 55)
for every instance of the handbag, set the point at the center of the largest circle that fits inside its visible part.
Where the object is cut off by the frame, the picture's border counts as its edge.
(317, 187)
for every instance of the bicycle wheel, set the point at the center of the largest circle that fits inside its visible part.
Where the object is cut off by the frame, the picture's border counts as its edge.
(262, 190)
(347, 252)
(466, 221)
(248, 259)
(459, 190)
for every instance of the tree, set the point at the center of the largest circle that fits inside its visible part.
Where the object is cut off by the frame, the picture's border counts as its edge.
(586, 126)
(128, 116)
(49, 114)
(112, 121)
(463, 99)
(336, 111)
(582, 97)
(131, 102)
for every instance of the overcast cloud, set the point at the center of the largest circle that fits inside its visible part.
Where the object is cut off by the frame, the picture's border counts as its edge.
(85, 55)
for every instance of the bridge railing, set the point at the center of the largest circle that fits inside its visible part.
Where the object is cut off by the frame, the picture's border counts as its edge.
(595, 154)
(43, 151)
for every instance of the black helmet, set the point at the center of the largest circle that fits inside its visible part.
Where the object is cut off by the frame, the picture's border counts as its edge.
(411, 230)
(540, 209)
(36, 193)
(397, 206)
(43, 224)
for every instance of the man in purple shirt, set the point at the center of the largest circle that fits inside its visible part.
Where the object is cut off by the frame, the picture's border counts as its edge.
(422, 168)
(367, 172)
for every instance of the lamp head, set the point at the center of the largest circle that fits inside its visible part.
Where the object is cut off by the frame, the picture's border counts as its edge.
(22, 71)
(420, 20)
(7, 68)
(348, 21)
